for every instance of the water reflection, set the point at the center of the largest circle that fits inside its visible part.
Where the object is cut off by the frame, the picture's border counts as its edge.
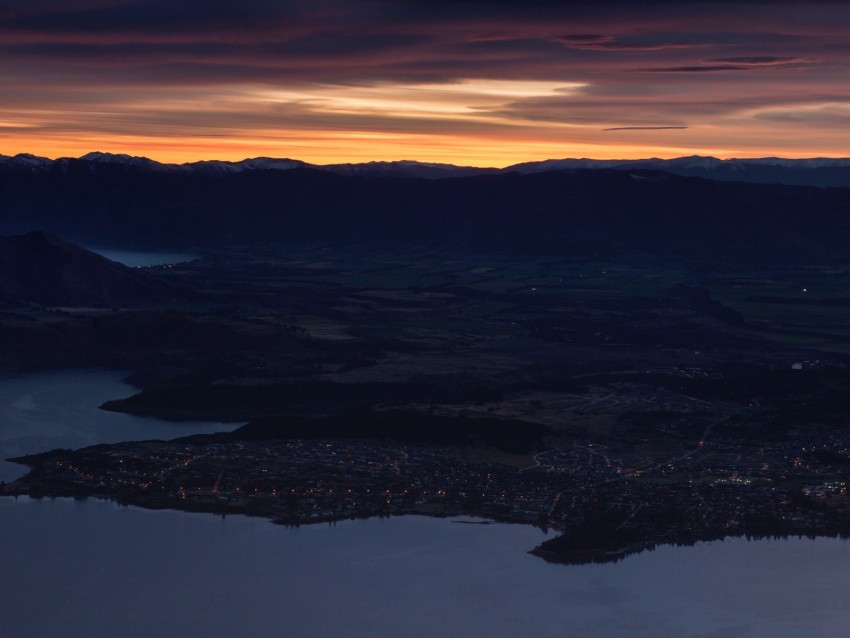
(91, 568)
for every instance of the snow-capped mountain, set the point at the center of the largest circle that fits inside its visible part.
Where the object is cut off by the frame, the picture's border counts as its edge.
(252, 164)
(407, 168)
(119, 158)
(25, 161)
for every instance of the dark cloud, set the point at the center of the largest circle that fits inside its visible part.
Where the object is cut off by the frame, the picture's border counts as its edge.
(337, 41)
(129, 17)
(491, 37)
(583, 38)
(758, 60)
(609, 43)
(708, 68)
(734, 63)
(645, 128)
(573, 5)
(677, 109)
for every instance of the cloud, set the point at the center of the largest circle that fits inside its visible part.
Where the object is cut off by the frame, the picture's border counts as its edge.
(834, 115)
(760, 60)
(590, 42)
(645, 128)
(492, 37)
(268, 69)
(735, 63)
(707, 68)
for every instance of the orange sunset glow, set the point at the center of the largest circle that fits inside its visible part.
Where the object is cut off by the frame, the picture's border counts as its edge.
(484, 84)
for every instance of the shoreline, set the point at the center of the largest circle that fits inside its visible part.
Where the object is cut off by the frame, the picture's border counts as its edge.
(554, 550)
(600, 556)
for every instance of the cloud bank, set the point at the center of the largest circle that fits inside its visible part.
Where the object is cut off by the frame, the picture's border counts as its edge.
(486, 83)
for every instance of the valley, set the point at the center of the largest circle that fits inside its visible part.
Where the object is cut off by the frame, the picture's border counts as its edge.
(658, 402)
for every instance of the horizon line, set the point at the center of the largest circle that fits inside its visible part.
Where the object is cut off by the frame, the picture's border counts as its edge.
(433, 163)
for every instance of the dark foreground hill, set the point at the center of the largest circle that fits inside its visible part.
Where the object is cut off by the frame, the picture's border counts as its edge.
(43, 269)
(596, 213)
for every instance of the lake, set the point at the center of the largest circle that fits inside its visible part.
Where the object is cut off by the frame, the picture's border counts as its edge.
(58, 409)
(95, 569)
(138, 258)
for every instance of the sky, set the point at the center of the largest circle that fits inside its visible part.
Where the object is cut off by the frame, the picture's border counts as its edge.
(479, 82)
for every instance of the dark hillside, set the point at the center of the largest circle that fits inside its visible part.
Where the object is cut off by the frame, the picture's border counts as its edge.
(43, 269)
(600, 213)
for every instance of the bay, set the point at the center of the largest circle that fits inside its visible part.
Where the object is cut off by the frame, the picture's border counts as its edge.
(59, 409)
(94, 569)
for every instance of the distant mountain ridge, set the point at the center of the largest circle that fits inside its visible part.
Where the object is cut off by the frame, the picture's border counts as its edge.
(822, 172)
(580, 213)
(401, 168)
(818, 171)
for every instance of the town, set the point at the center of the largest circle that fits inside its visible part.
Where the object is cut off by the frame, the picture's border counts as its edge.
(603, 507)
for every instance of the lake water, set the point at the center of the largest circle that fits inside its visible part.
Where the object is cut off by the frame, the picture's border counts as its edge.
(94, 569)
(58, 409)
(136, 258)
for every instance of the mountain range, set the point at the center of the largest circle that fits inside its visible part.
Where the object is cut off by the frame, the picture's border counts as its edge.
(580, 213)
(823, 172)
